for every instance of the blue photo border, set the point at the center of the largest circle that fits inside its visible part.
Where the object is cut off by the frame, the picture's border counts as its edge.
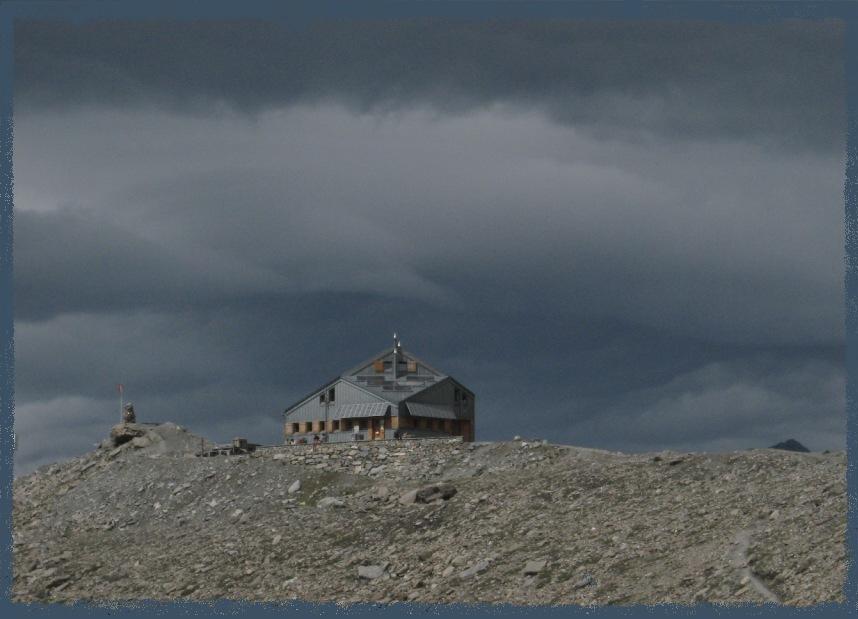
(303, 11)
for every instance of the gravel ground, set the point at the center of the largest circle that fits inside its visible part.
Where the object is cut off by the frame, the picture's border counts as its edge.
(529, 523)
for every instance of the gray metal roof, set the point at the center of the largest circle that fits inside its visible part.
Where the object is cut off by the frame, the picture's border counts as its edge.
(394, 392)
(382, 385)
(438, 411)
(364, 409)
(301, 415)
(313, 393)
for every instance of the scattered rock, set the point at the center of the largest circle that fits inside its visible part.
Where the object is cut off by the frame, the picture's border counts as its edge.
(520, 534)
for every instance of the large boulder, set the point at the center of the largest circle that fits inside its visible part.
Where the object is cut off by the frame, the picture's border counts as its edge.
(371, 572)
(477, 568)
(379, 493)
(123, 432)
(162, 438)
(433, 493)
(428, 494)
(408, 498)
(534, 567)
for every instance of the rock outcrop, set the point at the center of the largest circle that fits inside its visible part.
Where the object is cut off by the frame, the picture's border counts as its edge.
(791, 445)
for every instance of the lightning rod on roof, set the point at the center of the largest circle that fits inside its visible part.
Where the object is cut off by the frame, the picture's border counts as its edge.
(395, 341)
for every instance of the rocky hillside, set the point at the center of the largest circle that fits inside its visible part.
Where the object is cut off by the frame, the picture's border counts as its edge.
(521, 522)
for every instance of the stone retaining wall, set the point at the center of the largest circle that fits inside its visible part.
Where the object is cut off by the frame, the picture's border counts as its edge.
(403, 459)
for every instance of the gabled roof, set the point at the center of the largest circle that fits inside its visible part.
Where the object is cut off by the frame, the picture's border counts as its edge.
(312, 394)
(315, 392)
(384, 386)
(384, 354)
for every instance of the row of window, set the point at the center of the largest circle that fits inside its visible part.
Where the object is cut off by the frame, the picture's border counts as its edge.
(297, 427)
(345, 425)
(379, 365)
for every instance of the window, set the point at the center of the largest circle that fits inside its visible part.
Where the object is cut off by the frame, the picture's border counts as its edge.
(336, 426)
(457, 395)
(322, 398)
(412, 367)
(378, 366)
(331, 394)
(295, 427)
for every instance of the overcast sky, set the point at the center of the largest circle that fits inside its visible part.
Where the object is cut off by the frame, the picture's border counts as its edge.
(625, 236)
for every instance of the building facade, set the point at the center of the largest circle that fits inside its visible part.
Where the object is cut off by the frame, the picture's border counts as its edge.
(390, 394)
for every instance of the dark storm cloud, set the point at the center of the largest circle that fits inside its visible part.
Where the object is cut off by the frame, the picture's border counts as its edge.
(496, 213)
(778, 82)
(95, 264)
(587, 224)
(727, 405)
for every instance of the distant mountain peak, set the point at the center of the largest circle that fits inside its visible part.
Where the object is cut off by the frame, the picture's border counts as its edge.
(791, 445)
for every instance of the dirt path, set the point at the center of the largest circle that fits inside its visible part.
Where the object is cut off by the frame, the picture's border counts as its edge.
(740, 562)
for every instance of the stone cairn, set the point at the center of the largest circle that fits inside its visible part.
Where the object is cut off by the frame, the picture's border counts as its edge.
(128, 415)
